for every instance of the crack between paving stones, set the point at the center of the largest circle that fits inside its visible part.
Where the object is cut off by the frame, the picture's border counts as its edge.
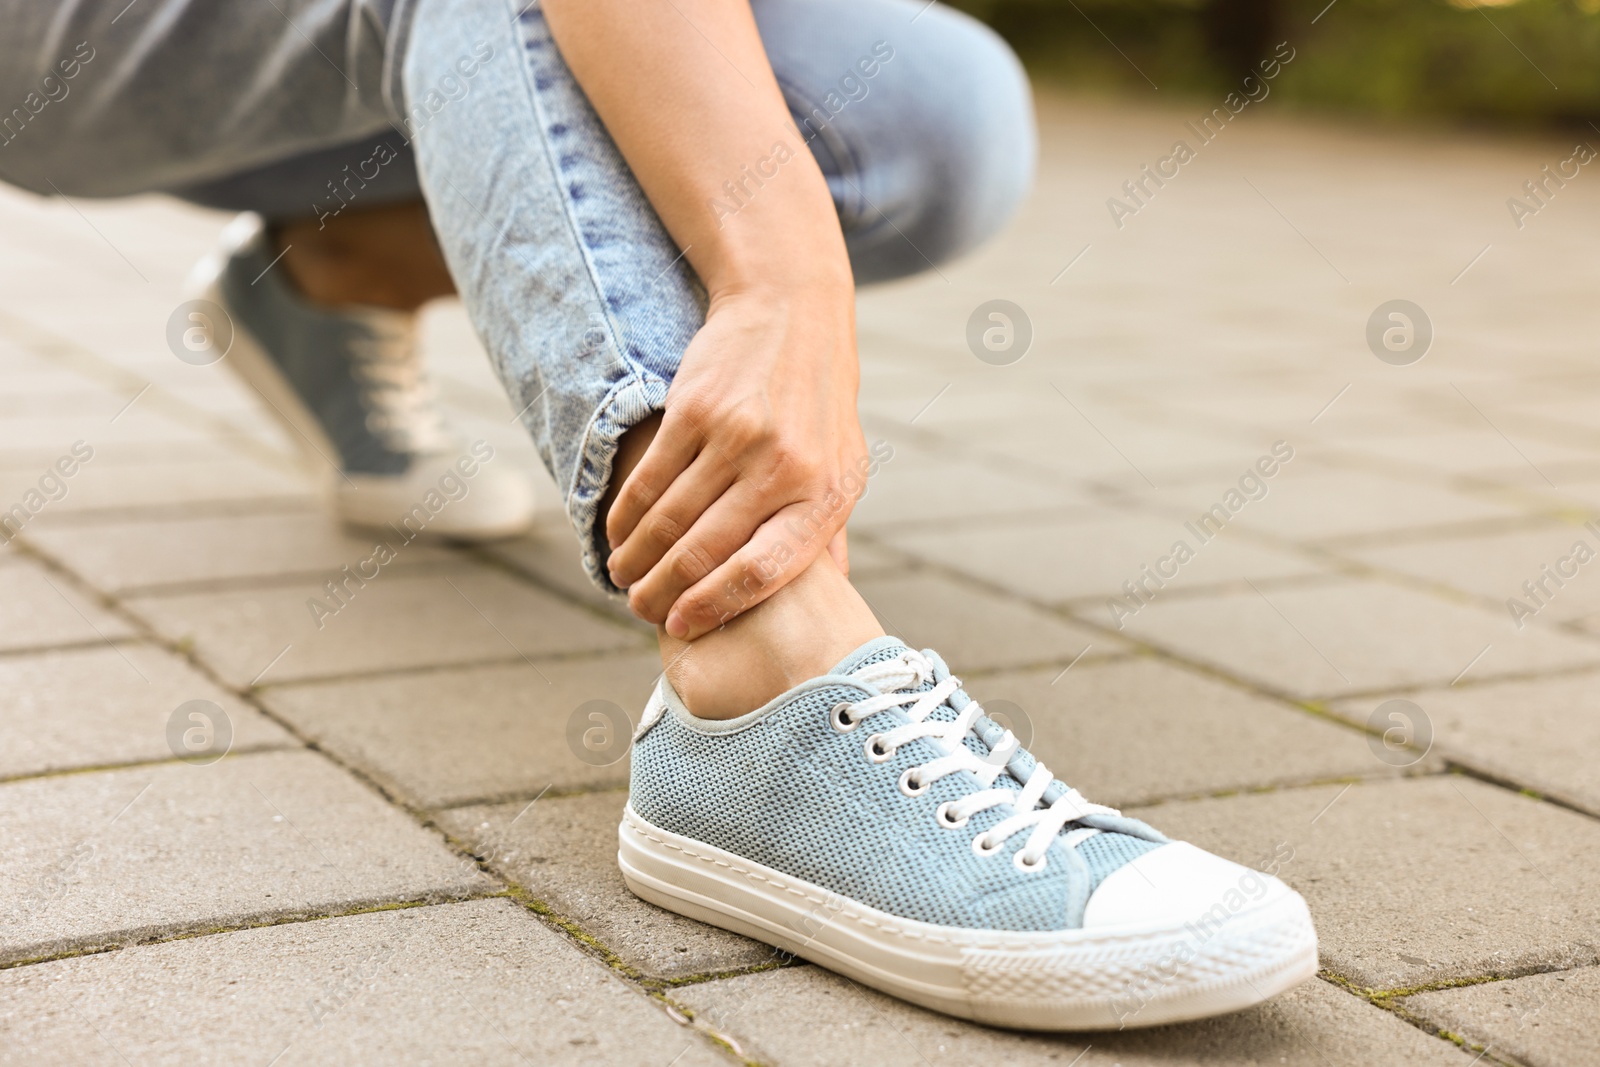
(64, 352)
(1392, 1001)
(574, 933)
(141, 937)
(154, 761)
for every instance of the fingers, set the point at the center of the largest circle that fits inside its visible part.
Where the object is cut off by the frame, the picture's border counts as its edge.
(839, 549)
(671, 451)
(720, 531)
(780, 549)
(670, 518)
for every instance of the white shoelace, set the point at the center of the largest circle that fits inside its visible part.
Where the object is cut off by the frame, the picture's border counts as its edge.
(898, 680)
(402, 408)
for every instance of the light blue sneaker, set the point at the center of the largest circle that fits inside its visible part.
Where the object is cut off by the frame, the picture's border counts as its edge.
(876, 822)
(351, 388)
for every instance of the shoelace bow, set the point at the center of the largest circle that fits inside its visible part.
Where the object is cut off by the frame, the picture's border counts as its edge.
(898, 681)
(395, 389)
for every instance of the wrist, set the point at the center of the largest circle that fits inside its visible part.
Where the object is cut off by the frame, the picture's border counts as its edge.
(783, 278)
(789, 252)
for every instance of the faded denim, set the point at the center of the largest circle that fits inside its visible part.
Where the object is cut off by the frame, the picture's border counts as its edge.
(582, 300)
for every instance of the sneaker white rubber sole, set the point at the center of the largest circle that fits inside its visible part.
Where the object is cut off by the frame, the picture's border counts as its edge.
(502, 508)
(1108, 978)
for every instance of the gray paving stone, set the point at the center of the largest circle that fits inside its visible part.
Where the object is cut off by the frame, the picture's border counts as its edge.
(1121, 450)
(1477, 451)
(476, 982)
(1418, 880)
(458, 736)
(1132, 731)
(99, 705)
(466, 613)
(1311, 501)
(204, 477)
(1089, 558)
(550, 554)
(39, 609)
(111, 857)
(564, 851)
(1350, 636)
(130, 554)
(918, 486)
(1496, 566)
(869, 559)
(92, 424)
(974, 629)
(1541, 1019)
(1542, 733)
(805, 1016)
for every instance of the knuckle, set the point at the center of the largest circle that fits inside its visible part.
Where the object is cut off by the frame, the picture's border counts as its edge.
(664, 530)
(695, 409)
(702, 611)
(640, 604)
(792, 465)
(633, 497)
(690, 564)
(745, 426)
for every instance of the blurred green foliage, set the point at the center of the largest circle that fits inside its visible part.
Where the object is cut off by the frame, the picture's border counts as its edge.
(1523, 63)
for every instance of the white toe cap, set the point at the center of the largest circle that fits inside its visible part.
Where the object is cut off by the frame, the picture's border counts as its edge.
(1179, 883)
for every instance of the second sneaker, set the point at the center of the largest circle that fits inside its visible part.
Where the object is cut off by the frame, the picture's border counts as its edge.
(351, 388)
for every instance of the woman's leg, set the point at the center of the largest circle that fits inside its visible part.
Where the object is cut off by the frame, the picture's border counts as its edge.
(922, 127)
(110, 98)
(923, 130)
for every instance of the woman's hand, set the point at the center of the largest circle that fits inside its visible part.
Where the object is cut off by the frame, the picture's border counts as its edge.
(759, 455)
(757, 464)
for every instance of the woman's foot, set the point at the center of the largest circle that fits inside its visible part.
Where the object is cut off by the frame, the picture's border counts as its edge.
(350, 386)
(872, 820)
(800, 632)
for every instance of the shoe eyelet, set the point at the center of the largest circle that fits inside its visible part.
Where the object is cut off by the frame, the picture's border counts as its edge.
(840, 717)
(911, 783)
(982, 847)
(877, 751)
(942, 817)
(1020, 862)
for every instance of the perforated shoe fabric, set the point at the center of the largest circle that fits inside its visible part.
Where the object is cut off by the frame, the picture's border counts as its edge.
(785, 787)
(356, 370)
(876, 822)
(352, 390)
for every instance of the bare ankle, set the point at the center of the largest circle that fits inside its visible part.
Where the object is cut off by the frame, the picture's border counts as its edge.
(802, 631)
(381, 257)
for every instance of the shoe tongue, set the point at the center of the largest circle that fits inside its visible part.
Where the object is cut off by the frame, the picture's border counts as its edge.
(878, 650)
(883, 649)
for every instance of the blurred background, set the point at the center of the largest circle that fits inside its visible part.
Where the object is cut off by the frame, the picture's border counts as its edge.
(1442, 60)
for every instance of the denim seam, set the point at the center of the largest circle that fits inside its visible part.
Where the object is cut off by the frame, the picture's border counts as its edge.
(399, 37)
(540, 116)
(603, 431)
(596, 454)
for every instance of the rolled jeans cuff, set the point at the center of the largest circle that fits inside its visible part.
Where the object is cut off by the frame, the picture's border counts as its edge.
(628, 405)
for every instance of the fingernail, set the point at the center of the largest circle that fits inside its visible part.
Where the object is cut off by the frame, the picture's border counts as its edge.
(677, 627)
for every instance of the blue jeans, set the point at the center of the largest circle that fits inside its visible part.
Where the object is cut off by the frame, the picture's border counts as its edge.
(919, 117)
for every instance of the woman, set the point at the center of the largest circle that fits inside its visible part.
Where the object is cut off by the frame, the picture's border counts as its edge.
(656, 212)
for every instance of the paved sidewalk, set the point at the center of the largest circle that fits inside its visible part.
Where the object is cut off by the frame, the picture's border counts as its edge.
(403, 857)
